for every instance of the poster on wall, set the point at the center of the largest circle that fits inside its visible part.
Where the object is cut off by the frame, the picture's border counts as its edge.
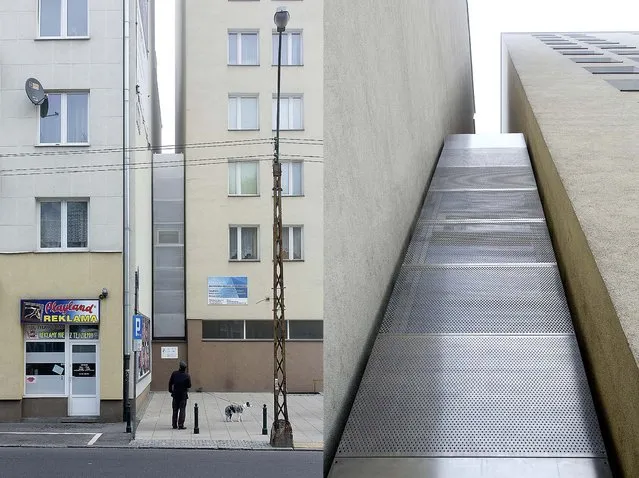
(44, 332)
(144, 355)
(224, 290)
(59, 311)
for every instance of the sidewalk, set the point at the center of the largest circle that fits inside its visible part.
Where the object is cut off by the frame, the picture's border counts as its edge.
(154, 428)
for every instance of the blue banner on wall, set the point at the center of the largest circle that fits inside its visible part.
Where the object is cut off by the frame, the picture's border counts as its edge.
(228, 290)
(56, 311)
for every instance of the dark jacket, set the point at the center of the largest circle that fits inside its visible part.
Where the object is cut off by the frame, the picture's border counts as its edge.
(179, 383)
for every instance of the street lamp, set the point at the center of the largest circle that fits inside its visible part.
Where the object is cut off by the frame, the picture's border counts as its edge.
(281, 431)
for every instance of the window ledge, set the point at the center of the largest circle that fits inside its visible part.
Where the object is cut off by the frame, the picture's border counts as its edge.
(244, 195)
(58, 250)
(285, 66)
(241, 64)
(62, 38)
(242, 129)
(293, 260)
(244, 260)
(46, 395)
(291, 129)
(61, 145)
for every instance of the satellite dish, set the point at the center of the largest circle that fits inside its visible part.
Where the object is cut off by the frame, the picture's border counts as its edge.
(44, 108)
(35, 91)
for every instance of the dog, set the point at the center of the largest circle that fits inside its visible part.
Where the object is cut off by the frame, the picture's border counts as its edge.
(237, 409)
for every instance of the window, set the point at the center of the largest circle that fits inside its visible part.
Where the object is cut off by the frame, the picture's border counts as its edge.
(292, 184)
(291, 112)
(243, 48)
(243, 112)
(292, 243)
(45, 364)
(67, 121)
(64, 224)
(259, 329)
(305, 329)
(64, 18)
(291, 48)
(243, 178)
(243, 239)
(223, 329)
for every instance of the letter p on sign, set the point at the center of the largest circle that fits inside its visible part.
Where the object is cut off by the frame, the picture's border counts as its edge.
(137, 327)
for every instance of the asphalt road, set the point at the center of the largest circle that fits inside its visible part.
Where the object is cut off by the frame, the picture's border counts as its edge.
(119, 463)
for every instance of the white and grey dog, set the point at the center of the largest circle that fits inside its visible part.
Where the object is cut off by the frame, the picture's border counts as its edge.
(237, 409)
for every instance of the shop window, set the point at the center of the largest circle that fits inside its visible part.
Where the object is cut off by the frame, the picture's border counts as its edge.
(45, 368)
(259, 329)
(223, 329)
(305, 329)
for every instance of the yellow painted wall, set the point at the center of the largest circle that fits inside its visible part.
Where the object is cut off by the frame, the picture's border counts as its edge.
(60, 275)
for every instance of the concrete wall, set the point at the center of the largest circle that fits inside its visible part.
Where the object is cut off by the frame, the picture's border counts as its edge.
(576, 127)
(397, 81)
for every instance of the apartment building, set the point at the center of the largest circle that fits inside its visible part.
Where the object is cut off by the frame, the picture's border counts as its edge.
(77, 103)
(225, 117)
(575, 96)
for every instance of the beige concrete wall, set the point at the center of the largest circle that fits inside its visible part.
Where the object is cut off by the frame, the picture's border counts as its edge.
(397, 81)
(248, 366)
(576, 127)
(81, 275)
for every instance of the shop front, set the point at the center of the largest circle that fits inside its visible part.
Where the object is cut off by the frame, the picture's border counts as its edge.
(62, 353)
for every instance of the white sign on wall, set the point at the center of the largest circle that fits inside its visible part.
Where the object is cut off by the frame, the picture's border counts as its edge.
(169, 352)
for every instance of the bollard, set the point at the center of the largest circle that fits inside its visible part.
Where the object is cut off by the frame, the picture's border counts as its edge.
(196, 429)
(264, 430)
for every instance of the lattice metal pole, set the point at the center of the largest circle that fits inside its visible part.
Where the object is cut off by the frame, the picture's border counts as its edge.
(281, 432)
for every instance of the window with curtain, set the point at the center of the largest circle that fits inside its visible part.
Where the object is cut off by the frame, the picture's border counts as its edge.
(243, 178)
(64, 224)
(243, 243)
(291, 48)
(292, 243)
(243, 48)
(67, 121)
(64, 18)
(291, 112)
(243, 112)
(292, 174)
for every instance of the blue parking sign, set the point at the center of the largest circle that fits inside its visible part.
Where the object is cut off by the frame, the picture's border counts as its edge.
(137, 327)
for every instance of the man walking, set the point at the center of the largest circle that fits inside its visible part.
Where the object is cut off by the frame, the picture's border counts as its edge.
(179, 383)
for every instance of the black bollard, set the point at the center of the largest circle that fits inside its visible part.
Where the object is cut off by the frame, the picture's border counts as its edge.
(196, 430)
(264, 430)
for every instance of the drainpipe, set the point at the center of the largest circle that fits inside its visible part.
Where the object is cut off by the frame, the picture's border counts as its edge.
(126, 229)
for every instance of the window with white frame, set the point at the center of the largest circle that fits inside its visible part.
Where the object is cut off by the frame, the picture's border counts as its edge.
(64, 224)
(67, 121)
(63, 18)
(291, 112)
(243, 245)
(243, 48)
(291, 48)
(243, 112)
(292, 178)
(292, 243)
(243, 178)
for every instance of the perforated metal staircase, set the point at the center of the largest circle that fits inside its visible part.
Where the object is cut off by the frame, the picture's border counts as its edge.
(476, 370)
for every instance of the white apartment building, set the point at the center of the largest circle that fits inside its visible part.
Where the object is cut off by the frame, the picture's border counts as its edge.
(225, 117)
(66, 263)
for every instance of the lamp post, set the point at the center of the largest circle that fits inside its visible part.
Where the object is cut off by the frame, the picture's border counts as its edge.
(281, 431)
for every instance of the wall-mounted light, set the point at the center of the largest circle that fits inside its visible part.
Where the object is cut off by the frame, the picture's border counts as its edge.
(104, 294)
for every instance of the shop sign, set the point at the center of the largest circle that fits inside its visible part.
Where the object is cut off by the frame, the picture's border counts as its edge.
(224, 290)
(83, 370)
(43, 332)
(84, 332)
(65, 311)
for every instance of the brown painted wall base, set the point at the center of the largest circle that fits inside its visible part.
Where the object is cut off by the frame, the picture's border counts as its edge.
(10, 410)
(243, 366)
(612, 368)
(44, 407)
(162, 368)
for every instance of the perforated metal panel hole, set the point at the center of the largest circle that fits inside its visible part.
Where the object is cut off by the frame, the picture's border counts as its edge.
(449, 205)
(479, 243)
(452, 395)
(489, 157)
(501, 300)
(482, 178)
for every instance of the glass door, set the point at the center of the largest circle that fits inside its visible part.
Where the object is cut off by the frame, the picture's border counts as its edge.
(84, 396)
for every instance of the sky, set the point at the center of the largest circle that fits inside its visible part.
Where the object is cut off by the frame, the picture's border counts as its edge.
(488, 18)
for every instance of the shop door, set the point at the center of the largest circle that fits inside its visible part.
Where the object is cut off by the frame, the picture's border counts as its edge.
(84, 393)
